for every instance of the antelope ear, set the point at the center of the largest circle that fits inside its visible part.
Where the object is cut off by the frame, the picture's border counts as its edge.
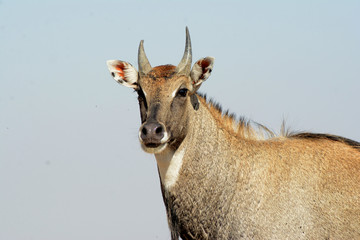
(201, 71)
(124, 73)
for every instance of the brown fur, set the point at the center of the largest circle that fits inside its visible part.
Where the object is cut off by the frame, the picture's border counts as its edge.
(283, 188)
(317, 136)
(161, 73)
(221, 179)
(242, 127)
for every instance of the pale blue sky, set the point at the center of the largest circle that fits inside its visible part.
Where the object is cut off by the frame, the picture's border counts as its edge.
(70, 163)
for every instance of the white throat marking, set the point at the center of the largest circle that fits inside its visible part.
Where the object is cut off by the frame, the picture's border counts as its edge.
(169, 163)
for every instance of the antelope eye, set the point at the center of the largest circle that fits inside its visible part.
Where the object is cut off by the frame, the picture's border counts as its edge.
(182, 92)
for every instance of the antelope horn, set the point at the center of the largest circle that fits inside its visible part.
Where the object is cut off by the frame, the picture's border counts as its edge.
(184, 66)
(144, 65)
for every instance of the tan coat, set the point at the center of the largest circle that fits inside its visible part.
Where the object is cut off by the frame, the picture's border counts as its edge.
(221, 179)
(283, 188)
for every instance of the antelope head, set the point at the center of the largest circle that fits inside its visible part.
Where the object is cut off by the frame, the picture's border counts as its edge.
(166, 95)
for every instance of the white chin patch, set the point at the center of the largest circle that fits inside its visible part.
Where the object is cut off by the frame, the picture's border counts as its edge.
(158, 149)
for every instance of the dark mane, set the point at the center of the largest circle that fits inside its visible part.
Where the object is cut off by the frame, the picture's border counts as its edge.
(243, 121)
(212, 102)
(320, 136)
(244, 126)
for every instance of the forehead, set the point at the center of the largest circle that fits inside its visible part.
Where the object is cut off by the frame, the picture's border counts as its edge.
(162, 78)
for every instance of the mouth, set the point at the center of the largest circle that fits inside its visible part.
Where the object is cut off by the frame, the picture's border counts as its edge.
(153, 147)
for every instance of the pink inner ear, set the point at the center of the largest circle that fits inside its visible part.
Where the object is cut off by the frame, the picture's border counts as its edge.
(120, 68)
(204, 64)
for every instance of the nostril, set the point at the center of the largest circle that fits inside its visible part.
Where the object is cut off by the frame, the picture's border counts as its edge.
(152, 132)
(159, 129)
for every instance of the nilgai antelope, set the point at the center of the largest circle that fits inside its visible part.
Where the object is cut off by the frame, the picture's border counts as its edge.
(220, 179)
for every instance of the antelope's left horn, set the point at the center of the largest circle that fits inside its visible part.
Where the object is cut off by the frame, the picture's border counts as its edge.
(144, 64)
(184, 66)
